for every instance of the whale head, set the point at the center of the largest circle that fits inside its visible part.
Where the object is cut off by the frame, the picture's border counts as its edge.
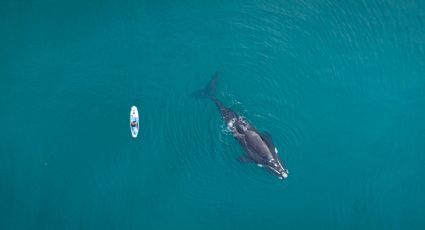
(276, 167)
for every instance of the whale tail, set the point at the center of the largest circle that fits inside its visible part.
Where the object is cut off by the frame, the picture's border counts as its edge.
(208, 91)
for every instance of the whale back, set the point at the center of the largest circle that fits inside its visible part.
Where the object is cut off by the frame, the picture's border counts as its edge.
(257, 145)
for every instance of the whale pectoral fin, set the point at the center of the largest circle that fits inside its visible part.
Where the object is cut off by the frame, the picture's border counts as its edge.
(244, 159)
(268, 139)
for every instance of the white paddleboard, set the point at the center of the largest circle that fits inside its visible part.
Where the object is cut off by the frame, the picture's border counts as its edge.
(134, 119)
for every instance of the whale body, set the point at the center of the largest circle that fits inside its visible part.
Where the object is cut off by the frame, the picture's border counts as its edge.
(258, 147)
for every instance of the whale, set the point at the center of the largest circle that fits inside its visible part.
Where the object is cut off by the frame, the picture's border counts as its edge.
(258, 146)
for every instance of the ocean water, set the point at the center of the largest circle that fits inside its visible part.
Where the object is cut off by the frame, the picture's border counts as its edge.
(340, 85)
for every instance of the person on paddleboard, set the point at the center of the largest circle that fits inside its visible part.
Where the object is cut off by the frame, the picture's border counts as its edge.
(133, 123)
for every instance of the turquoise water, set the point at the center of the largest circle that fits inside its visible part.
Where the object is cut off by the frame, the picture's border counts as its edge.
(340, 85)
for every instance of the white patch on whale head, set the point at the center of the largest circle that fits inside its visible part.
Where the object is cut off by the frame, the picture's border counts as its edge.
(260, 165)
(275, 149)
(285, 173)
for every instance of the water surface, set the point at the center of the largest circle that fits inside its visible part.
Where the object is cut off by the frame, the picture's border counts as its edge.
(338, 84)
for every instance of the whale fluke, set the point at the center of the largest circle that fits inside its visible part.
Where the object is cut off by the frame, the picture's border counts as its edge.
(208, 91)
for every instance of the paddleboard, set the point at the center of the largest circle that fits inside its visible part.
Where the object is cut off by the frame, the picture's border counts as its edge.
(134, 121)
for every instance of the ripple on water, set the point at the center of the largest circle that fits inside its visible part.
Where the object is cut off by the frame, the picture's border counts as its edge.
(281, 55)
